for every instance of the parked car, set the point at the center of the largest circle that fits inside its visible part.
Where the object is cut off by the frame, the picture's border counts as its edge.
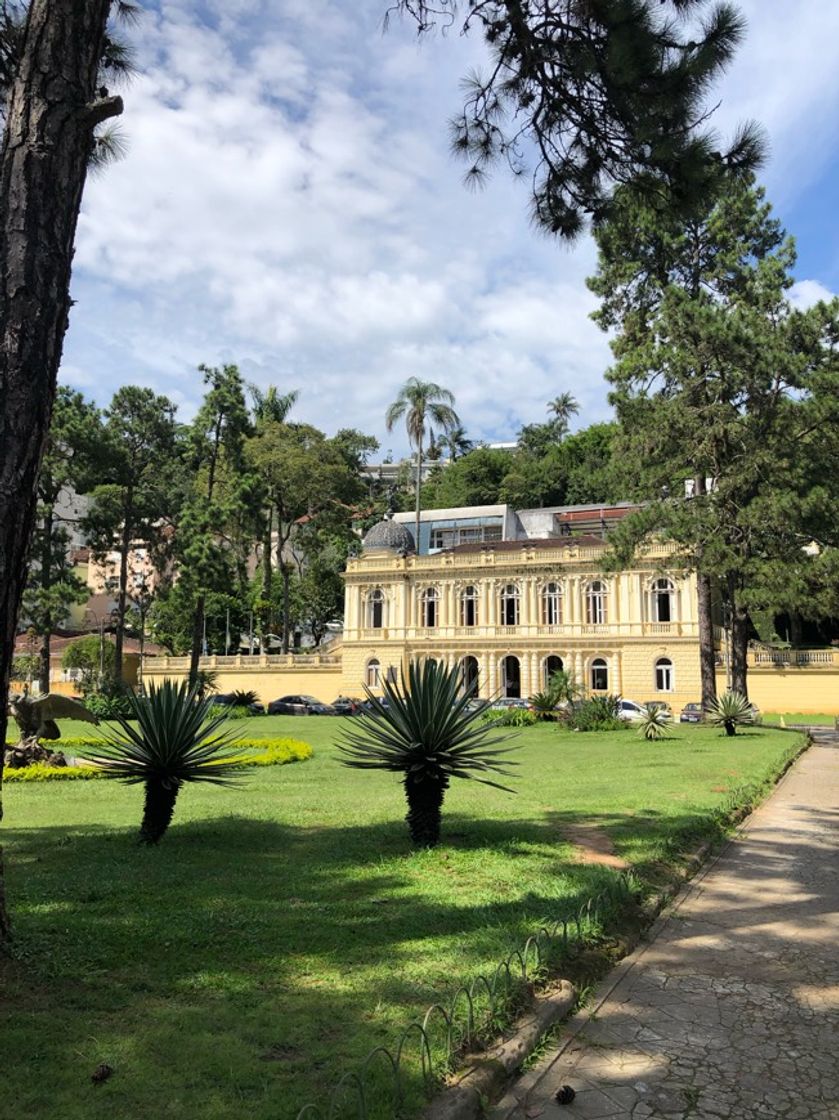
(347, 705)
(228, 700)
(504, 703)
(659, 704)
(631, 711)
(691, 713)
(299, 706)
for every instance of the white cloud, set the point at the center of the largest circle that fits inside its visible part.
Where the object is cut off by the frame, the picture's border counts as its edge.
(806, 293)
(288, 202)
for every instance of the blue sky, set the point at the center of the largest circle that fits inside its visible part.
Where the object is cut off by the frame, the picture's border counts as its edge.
(288, 203)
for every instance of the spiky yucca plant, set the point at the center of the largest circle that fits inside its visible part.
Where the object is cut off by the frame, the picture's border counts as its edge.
(731, 710)
(654, 722)
(175, 740)
(430, 732)
(544, 704)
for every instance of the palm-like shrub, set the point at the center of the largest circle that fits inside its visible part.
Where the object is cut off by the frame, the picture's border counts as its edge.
(544, 704)
(175, 740)
(240, 698)
(429, 732)
(654, 722)
(731, 710)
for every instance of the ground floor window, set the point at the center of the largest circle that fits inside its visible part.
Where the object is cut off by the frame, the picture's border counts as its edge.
(551, 665)
(664, 675)
(373, 672)
(599, 675)
(469, 671)
(511, 677)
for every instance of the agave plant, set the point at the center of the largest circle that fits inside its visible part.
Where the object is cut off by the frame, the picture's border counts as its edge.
(175, 740)
(427, 730)
(240, 698)
(544, 704)
(654, 722)
(731, 710)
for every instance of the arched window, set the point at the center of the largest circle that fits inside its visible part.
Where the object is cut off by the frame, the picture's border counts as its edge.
(596, 603)
(373, 673)
(551, 665)
(552, 604)
(511, 676)
(469, 606)
(599, 675)
(664, 675)
(430, 603)
(376, 609)
(510, 605)
(469, 671)
(662, 600)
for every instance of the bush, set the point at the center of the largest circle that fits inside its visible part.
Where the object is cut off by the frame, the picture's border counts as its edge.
(237, 712)
(599, 713)
(117, 706)
(254, 752)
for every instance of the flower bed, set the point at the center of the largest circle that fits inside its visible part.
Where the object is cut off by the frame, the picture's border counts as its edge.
(255, 752)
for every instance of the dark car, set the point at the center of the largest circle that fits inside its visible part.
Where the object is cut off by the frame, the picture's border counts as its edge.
(691, 713)
(347, 705)
(229, 700)
(299, 706)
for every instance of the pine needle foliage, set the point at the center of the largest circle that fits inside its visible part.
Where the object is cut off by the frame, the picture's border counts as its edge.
(426, 728)
(582, 96)
(175, 740)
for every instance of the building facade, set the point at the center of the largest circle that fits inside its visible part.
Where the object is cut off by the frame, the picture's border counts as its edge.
(512, 611)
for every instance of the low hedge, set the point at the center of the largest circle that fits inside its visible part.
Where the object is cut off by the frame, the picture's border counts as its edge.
(255, 752)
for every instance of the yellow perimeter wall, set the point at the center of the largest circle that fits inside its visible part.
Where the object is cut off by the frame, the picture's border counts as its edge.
(322, 682)
(792, 689)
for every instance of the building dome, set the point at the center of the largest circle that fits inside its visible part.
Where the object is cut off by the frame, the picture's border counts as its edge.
(389, 534)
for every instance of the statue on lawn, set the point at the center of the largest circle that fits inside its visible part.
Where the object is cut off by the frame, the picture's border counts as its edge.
(35, 717)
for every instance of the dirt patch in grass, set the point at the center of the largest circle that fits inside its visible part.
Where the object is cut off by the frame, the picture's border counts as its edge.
(593, 845)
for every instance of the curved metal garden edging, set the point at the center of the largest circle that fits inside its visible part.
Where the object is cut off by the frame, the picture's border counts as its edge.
(459, 1019)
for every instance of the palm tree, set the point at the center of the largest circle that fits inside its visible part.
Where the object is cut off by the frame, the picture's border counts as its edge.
(272, 405)
(430, 731)
(455, 442)
(563, 407)
(425, 406)
(174, 741)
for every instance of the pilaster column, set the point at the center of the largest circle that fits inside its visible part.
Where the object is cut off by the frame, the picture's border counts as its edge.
(493, 674)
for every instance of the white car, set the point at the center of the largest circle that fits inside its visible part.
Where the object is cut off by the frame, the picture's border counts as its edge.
(630, 711)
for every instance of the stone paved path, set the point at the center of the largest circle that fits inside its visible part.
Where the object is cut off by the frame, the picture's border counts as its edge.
(731, 1012)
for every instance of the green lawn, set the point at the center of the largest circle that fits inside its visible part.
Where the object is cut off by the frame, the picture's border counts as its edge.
(773, 718)
(283, 928)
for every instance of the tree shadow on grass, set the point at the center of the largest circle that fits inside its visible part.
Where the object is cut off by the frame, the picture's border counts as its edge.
(244, 964)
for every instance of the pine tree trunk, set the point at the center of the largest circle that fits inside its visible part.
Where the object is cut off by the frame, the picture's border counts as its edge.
(157, 810)
(707, 651)
(51, 111)
(705, 617)
(425, 804)
(122, 592)
(46, 583)
(286, 573)
(197, 638)
(741, 626)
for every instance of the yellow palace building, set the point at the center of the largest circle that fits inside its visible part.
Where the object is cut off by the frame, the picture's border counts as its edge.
(513, 595)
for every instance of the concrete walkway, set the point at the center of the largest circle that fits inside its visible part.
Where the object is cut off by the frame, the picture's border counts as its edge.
(731, 1011)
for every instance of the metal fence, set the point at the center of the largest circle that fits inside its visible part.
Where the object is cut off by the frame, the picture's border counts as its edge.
(473, 1011)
